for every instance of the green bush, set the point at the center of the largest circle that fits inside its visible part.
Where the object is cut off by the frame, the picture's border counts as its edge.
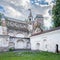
(11, 49)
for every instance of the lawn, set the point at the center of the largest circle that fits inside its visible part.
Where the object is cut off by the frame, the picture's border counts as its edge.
(29, 56)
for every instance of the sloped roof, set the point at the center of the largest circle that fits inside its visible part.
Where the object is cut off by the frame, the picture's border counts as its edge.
(39, 16)
(16, 20)
(45, 31)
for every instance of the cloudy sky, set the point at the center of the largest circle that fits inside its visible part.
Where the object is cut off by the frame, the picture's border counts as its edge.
(19, 8)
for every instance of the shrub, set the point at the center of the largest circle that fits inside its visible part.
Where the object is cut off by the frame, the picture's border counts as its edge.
(11, 49)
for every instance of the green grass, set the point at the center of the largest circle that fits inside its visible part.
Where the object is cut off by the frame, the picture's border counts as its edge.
(29, 56)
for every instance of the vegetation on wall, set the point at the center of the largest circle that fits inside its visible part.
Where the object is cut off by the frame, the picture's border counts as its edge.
(0, 18)
(56, 13)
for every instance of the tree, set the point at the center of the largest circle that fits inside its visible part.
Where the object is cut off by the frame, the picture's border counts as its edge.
(0, 18)
(56, 13)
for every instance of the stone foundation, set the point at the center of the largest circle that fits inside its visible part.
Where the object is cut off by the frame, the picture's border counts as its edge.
(4, 49)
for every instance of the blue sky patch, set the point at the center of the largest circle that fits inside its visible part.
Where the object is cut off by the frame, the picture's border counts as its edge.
(2, 9)
(40, 2)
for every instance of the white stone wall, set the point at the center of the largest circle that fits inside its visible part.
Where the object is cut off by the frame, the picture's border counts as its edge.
(4, 41)
(1, 32)
(22, 44)
(46, 41)
(19, 43)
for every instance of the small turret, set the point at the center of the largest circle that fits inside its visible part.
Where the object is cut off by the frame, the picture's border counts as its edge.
(30, 17)
(30, 22)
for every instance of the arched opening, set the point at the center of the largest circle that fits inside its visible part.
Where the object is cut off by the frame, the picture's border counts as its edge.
(11, 45)
(57, 48)
(28, 45)
(38, 46)
(20, 44)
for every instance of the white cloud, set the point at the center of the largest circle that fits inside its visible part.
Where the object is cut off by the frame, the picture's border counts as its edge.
(15, 8)
(19, 9)
(12, 12)
(22, 6)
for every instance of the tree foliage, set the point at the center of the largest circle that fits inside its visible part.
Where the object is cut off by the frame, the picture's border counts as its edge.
(56, 13)
(0, 18)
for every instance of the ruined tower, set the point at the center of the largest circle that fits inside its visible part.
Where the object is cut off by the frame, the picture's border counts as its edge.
(38, 24)
(4, 28)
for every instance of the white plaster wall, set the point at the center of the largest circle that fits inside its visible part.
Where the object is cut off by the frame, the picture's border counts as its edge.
(3, 29)
(1, 32)
(50, 39)
(22, 45)
(4, 41)
(0, 42)
(19, 45)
